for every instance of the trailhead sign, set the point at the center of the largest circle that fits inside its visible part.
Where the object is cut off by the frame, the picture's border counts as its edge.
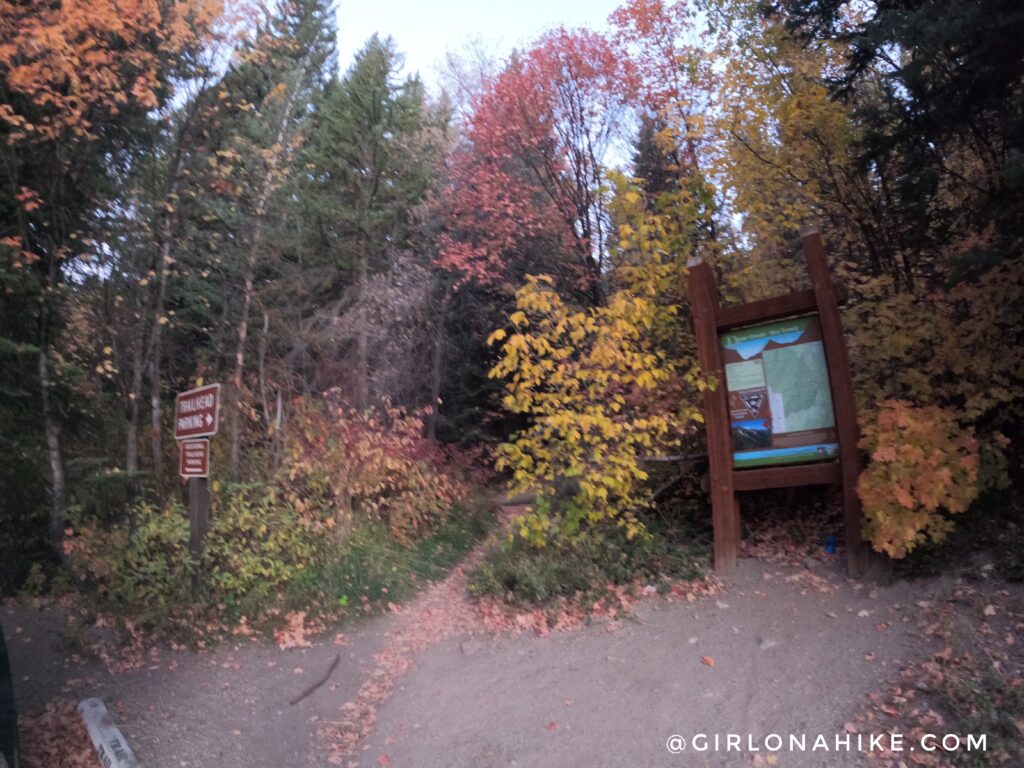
(780, 403)
(197, 412)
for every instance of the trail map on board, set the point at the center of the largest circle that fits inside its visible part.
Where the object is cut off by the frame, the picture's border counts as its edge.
(780, 402)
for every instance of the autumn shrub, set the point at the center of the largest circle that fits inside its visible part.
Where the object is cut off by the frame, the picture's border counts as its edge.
(923, 468)
(587, 381)
(371, 465)
(145, 574)
(362, 509)
(257, 547)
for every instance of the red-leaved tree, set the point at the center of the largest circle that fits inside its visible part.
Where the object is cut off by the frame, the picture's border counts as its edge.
(526, 186)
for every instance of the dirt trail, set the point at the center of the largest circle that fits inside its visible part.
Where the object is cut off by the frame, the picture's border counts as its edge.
(781, 650)
(219, 709)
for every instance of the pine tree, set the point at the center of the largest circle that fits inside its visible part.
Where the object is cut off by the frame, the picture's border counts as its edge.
(373, 150)
(656, 165)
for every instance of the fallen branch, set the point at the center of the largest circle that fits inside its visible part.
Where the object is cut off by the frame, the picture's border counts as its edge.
(676, 457)
(314, 686)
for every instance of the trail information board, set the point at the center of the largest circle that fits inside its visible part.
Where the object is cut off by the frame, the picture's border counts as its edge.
(780, 402)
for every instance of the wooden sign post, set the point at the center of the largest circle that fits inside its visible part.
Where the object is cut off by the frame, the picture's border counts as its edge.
(782, 413)
(197, 415)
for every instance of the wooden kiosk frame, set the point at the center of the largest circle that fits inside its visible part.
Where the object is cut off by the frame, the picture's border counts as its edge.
(710, 319)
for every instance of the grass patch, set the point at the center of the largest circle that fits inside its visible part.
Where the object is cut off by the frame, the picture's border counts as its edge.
(984, 702)
(515, 572)
(371, 568)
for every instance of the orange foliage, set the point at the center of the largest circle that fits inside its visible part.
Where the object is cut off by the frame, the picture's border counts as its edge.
(922, 463)
(77, 63)
(374, 464)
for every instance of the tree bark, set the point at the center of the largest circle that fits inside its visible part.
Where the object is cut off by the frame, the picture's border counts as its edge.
(362, 341)
(58, 507)
(154, 352)
(131, 458)
(266, 187)
(51, 429)
(149, 349)
(155, 420)
(437, 364)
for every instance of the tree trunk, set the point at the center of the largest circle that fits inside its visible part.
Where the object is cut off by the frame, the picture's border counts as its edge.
(234, 422)
(51, 427)
(58, 498)
(262, 365)
(154, 348)
(266, 187)
(437, 365)
(131, 457)
(362, 341)
(155, 420)
(154, 352)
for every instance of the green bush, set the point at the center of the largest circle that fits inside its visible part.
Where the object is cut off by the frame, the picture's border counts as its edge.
(257, 547)
(600, 555)
(261, 559)
(146, 574)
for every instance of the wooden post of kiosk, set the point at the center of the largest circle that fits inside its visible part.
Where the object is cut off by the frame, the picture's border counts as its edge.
(710, 320)
(843, 401)
(725, 509)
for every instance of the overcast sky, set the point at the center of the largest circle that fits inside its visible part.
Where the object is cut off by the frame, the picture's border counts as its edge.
(425, 30)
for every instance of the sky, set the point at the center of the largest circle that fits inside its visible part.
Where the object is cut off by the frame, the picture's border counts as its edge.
(425, 30)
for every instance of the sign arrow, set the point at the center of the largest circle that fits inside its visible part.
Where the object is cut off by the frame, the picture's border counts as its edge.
(209, 419)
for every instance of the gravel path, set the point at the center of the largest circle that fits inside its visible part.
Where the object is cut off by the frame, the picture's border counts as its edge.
(226, 708)
(779, 650)
(783, 650)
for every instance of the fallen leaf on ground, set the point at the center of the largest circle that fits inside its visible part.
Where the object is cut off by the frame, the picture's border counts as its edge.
(293, 634)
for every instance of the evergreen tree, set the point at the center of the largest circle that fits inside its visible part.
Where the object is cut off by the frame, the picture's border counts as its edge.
(656, 165)
(373, 150)
(939, 88)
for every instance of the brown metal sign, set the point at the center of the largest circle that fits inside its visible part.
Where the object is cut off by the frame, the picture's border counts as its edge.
(195, 458)
(197, 412)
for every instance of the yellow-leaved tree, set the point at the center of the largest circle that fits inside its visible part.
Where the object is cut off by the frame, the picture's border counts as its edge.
(591, 385)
